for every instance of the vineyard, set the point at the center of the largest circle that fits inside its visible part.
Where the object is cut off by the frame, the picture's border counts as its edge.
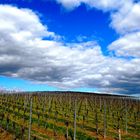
(68, 116)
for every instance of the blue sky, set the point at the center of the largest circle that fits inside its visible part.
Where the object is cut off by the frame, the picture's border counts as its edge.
(70, 45)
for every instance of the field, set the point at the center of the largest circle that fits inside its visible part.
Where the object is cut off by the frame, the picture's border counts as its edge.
(68, 116)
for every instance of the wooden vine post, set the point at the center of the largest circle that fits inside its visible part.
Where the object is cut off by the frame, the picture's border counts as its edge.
(75, 106)
(30, 119)
(105, 121)
(126, 117)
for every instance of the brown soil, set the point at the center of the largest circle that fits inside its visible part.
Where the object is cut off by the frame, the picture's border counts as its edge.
(5, 135)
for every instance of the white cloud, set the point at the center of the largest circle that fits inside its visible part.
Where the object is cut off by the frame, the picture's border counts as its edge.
(104, 5)
(69, 4)
(22, 21)
(127, 19)
(128, 45)
(24, 54)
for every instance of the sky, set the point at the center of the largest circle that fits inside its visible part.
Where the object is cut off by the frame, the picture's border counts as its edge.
(76, 45)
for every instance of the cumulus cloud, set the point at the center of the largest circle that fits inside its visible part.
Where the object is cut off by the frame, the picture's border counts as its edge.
(105, 5)
(16, 21)
(24, 54)
(127, 45)
(127, 19)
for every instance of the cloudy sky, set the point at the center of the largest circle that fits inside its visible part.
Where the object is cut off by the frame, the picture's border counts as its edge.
(83, 45)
